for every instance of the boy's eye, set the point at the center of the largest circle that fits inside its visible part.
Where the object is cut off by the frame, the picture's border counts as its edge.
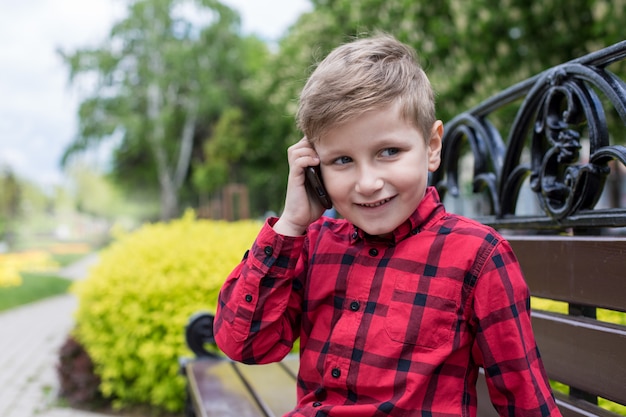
(343, 160)
(390, 151)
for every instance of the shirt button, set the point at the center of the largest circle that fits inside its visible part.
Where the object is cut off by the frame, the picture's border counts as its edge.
(268, 250)
(355, 235)
(317, 404)
(249, 298)
(373, 252)
(354, 306)
(336, 373)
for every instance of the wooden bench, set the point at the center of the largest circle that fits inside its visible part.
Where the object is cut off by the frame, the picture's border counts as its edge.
(220, 387)
(578, 350)
(556, 189)
(547, 188)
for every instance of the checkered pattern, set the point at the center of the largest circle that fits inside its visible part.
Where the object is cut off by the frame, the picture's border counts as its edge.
(393, 327)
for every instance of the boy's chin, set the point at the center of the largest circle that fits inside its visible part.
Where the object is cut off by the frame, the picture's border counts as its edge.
(381, 232)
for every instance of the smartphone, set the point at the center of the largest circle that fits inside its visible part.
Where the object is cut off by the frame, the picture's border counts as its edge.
(315, 186)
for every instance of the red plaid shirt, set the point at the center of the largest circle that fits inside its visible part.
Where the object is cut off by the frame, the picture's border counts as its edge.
(392, 327)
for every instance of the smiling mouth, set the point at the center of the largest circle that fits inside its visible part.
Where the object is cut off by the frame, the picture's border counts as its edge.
(376, 204)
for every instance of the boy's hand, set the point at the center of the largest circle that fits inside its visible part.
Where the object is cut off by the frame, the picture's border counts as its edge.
(300, 210)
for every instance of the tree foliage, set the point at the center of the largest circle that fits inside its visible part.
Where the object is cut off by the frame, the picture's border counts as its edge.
(158, 73)
(470, 49)
(163, 78)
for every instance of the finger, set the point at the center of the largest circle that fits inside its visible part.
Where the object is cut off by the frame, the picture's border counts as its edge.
(303, 157)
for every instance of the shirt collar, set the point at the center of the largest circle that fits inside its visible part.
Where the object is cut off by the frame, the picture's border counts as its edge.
(425, 211)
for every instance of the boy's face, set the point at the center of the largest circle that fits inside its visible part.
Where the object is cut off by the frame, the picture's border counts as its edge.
(375, 168)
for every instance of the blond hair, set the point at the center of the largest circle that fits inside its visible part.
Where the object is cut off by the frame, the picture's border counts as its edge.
(363, 75)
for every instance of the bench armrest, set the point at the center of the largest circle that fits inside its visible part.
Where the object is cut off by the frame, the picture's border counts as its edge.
(199, 334)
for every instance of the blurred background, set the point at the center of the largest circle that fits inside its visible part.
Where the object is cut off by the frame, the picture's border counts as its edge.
(116, 111)
(51, 191)
(149, 137)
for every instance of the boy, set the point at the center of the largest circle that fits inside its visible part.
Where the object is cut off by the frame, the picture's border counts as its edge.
(398, 303)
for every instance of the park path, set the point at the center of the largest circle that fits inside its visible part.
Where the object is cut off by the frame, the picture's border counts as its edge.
(30, 338)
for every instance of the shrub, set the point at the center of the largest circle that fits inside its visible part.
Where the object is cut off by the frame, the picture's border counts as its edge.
(135, 302)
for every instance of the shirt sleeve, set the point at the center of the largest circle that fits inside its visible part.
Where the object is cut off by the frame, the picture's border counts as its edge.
(258, 309)
(505, 342)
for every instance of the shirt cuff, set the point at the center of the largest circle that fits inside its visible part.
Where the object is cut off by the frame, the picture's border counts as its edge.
(273, 251)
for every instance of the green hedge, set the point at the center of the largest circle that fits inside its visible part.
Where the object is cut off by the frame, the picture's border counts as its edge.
(135, 302)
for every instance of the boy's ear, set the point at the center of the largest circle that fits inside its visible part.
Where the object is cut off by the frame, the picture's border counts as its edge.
(434, 146)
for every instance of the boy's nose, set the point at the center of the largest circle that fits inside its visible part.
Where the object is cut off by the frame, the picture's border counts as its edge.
(369, 182)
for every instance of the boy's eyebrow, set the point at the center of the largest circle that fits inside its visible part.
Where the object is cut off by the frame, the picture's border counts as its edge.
(331, 155)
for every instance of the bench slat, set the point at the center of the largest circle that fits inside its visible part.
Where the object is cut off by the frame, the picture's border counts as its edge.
(569, 407)
(292, 363)
(217, 390)
(575, 408)
(583, 353)
(575, 269)
(272, 384)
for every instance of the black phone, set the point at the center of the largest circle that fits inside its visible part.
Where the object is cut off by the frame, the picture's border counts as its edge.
(315, 186)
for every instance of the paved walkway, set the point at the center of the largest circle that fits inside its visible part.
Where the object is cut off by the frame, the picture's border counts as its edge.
(30, 338)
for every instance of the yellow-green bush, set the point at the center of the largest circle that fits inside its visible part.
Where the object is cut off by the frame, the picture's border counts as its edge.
(135, 302)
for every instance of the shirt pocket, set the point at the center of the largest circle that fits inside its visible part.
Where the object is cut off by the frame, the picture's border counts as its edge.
(422, 311)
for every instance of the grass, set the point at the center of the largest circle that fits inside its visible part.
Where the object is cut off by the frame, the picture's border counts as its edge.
(39, 268)
(34, 287)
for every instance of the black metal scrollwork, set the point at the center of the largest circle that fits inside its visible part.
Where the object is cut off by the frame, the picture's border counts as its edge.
(561, 109)
(562, 182)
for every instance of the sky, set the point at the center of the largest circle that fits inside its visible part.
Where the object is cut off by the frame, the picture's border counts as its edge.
(38, 105)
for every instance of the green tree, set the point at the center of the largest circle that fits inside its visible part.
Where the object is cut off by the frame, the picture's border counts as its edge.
(163, 78)
(472, 49)
(222, 152)
(230, 142)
